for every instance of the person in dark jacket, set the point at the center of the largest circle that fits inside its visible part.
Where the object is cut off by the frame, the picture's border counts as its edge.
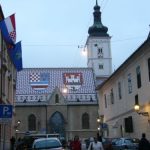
(12, 142)
(144, 143)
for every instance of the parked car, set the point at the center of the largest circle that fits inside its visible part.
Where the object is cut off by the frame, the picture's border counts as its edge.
(136, 141)
(124, 144)
(47, 143)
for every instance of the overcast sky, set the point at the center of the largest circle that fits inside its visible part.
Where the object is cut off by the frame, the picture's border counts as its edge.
(51, 31)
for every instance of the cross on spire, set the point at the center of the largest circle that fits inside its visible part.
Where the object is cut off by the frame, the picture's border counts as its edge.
(96, 3)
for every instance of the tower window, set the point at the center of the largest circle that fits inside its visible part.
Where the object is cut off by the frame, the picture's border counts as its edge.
(101, 66)
(100, 52)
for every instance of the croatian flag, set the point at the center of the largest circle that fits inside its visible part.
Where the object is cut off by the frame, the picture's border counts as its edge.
(8, 28)
(39, 81)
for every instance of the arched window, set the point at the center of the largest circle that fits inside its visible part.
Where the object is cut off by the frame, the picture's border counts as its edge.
(31, 122)
(56, 98)
(85, 121)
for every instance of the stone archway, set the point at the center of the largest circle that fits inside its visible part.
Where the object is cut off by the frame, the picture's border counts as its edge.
(57, 124)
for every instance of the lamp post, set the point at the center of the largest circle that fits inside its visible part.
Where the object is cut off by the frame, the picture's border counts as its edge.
(100, 125)
(137, 109)
(16, 127)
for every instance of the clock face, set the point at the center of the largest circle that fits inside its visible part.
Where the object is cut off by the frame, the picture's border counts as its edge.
(95, 45)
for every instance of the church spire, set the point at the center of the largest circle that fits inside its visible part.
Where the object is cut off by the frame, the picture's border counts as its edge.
(96, 2)
(97, 29)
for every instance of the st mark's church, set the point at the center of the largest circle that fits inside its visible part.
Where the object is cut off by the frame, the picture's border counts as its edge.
(64, 100)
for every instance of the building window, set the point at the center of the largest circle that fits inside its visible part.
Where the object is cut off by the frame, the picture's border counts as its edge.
(85, 121)
(32, 123)
(136, 99)
(119, 90)
(149, 68)
(138, 73)
(112, 96)
(101, 66)
(129, 83)
(128, 124)
(56, 98)
(100, 52)
(105, 99)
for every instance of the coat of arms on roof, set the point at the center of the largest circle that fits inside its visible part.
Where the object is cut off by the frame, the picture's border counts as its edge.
(39, 81)
(73, 81)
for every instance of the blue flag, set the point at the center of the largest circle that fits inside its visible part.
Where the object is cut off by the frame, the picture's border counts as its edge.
(15, 54)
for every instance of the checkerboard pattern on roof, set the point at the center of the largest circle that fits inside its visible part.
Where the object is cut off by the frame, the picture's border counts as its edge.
(55, 80)
(34, 77)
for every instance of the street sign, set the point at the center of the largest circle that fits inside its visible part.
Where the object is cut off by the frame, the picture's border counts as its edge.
(5, 113)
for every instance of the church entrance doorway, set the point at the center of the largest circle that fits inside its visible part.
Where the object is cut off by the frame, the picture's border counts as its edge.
(57, 124)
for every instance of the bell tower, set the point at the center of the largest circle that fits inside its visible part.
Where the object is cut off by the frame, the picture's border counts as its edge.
(98, 47)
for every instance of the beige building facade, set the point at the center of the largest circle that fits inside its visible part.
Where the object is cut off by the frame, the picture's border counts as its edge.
(127, 86)
(8, 76)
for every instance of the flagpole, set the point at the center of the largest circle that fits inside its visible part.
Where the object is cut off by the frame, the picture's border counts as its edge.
(1, 66)
(1, 61)
(2, 92)
(1, 88)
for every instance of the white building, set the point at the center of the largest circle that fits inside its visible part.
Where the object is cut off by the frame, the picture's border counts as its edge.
(127, 86)
(99, 48)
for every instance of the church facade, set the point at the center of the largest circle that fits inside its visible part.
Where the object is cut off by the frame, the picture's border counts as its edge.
(64, 100)
(43, 106)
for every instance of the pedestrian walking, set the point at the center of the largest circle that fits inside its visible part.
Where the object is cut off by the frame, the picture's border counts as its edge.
(76, 144)
(96, 145)
(144, 143)
(12, 143)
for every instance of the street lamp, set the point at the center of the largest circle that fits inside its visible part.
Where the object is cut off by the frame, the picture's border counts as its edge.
(16, 126)
(65, 90)
(18, 122)
(137, 109)
(98, 120)
(100, 125)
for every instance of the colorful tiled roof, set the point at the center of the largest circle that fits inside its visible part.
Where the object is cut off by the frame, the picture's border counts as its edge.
(43, 81)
